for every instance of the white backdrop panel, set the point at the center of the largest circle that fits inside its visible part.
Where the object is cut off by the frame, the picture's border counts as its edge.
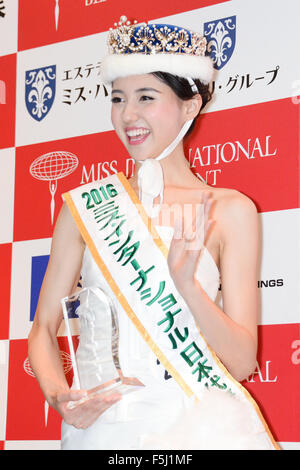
(8, 27)
(80, 106)
(22, 254)
(4, 346)
(280, 267)
(7, 179)
(266, 34)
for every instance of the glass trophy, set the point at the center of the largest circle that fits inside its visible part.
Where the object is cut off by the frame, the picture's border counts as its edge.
(96, 364)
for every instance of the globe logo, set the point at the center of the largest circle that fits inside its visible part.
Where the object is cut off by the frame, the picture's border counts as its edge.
(52, 167)
(67, 366)
(64, 357)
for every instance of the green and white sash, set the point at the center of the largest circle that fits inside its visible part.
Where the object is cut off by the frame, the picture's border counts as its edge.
(133, 260)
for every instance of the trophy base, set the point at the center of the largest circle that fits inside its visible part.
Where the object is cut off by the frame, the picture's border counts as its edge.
(115, 386)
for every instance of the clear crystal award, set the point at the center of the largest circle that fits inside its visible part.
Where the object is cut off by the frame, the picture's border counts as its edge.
(96, 364)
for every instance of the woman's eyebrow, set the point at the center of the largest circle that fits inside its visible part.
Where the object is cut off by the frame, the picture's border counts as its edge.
(138, 91)
(147, 89)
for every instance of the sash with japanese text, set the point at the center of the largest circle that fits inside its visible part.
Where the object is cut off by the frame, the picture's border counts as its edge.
(133, 259)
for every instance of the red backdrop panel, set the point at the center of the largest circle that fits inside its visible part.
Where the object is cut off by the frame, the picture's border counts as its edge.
(96, 155)
(253, 149)
(5, 274)
(28, 416)
(7, 100)
(275, 385)
(81, 18)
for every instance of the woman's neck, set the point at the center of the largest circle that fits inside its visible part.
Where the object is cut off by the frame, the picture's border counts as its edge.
(176, 170)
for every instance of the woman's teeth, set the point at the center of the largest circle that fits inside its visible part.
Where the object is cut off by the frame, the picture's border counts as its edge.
(137, 132)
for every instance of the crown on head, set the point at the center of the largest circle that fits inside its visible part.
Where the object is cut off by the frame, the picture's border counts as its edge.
(144, 38)
(146, 48)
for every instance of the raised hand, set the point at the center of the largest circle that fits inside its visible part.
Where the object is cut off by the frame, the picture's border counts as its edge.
(187, 242)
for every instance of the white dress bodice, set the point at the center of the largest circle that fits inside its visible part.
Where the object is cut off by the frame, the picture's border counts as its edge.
(136, 358)
(160, 415)
(149, 407)
(207, 271)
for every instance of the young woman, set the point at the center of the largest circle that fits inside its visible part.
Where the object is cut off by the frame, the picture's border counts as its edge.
(156, 97)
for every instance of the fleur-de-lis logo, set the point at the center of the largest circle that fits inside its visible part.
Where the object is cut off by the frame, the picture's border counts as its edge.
(220, 35)
(40, 91)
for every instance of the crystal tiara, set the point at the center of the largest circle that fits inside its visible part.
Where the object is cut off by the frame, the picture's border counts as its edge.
(152, 39)
(145, 48)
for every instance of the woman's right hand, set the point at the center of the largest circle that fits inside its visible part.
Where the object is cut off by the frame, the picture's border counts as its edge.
(85, 413)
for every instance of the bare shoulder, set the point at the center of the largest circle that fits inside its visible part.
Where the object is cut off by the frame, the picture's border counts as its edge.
(233, 210)
(63, 270)
(65, 226)
(232, 202)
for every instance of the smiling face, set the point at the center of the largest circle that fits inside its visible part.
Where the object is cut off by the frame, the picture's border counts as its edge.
(146, 114)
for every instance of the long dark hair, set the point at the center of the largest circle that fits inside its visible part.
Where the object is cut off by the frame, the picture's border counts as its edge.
(183, 90)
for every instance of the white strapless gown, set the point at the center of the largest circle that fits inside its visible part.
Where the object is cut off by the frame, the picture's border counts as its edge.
(140, 415)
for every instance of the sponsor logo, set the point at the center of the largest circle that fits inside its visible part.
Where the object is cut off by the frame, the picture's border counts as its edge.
(296, 92)
(56, 13)
(295, 358)
(267, 283)
(97, 171)
(228, 152)
(65, 359)
(40, 91)
(221, 37)
(52, 167)
(57, 10)
(83, 84)
(270, 283)
(265, 376)
(67, 366)
(221, 40)
(38, 268)
(93, 2)
(240, 83)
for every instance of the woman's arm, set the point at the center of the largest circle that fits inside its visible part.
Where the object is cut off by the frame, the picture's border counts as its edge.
(231, 332)
(60, 280)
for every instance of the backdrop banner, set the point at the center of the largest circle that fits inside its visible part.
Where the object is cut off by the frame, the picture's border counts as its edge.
(56, 134)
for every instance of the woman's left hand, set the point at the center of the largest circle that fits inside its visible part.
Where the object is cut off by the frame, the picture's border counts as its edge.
(187, 242)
